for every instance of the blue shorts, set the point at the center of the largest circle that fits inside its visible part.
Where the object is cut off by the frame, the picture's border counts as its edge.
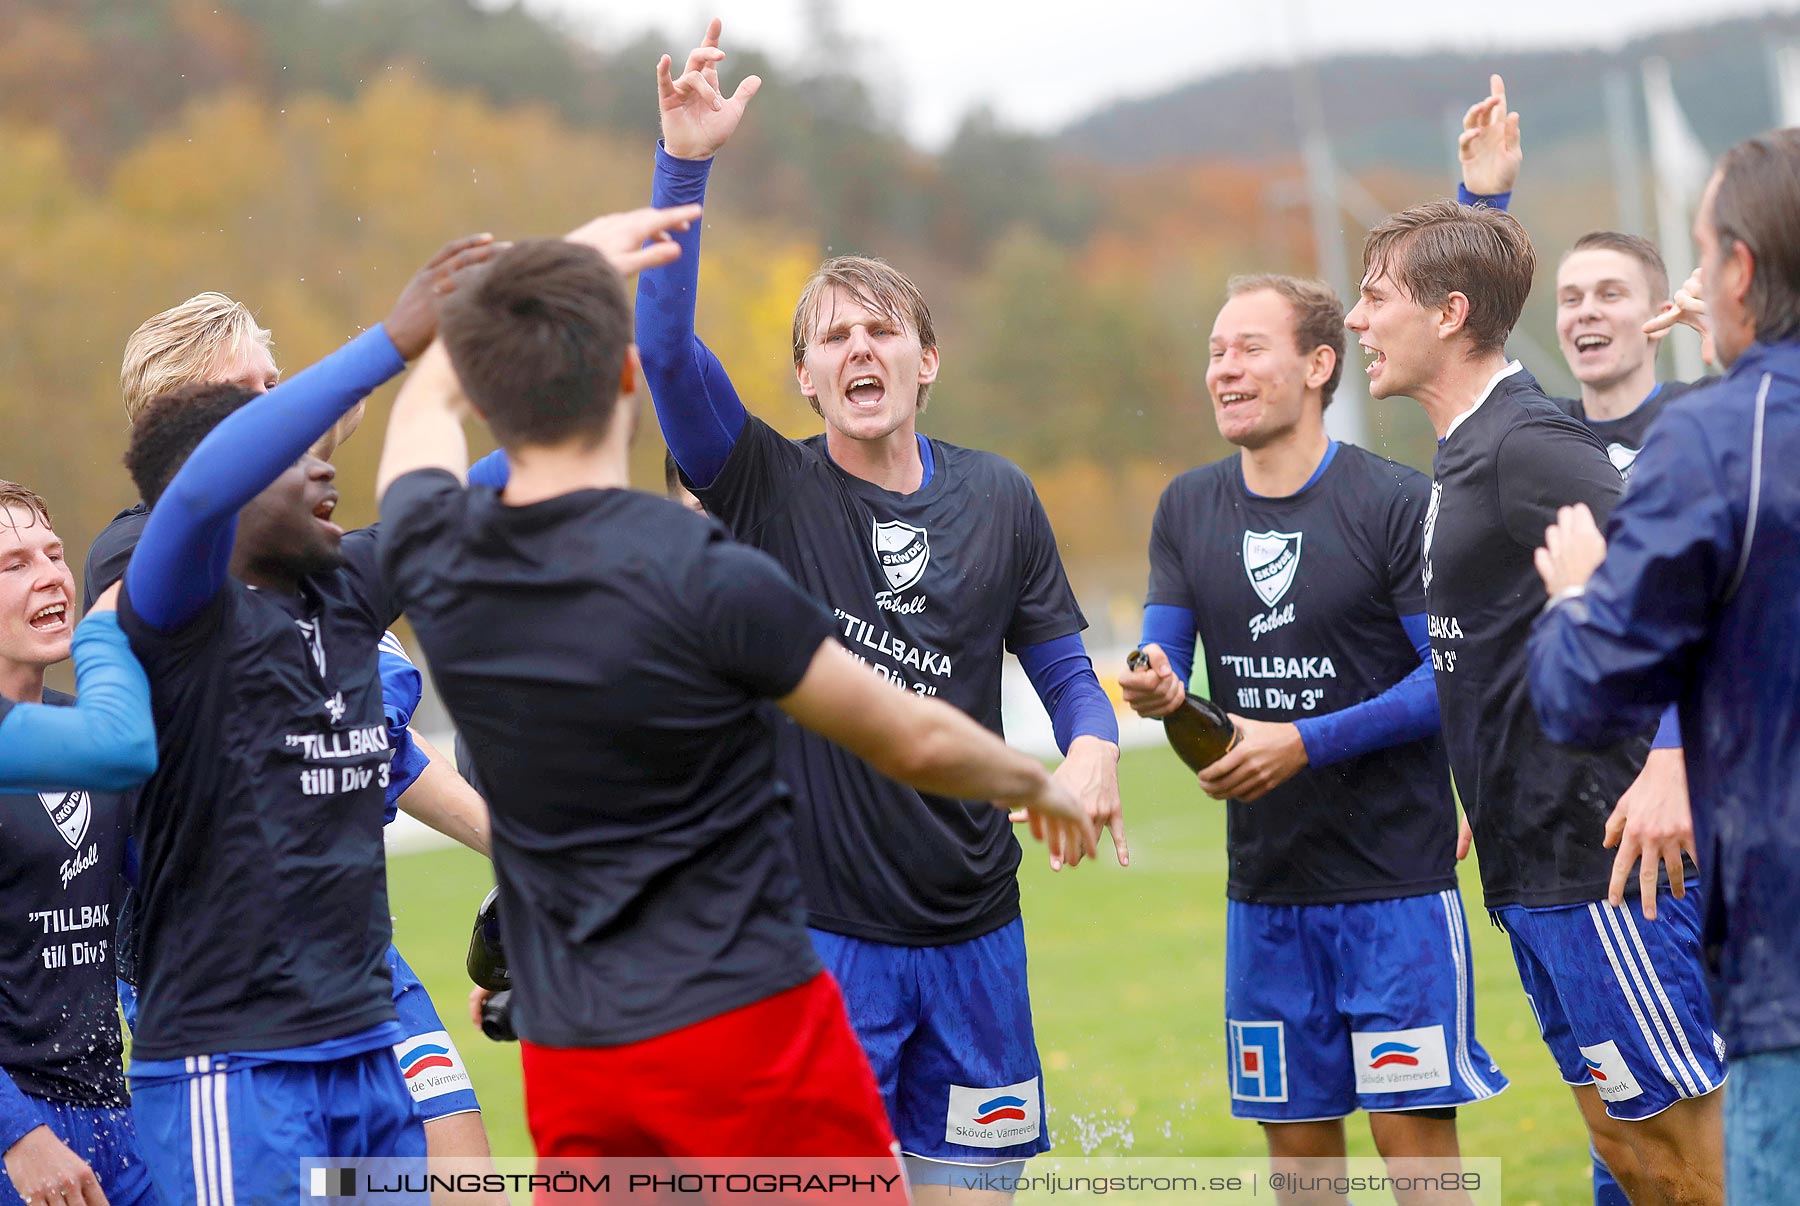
(947, 1030)
(1621, 1002)
(1337, 1006)
(236, 1132)
(433, 1067)
(107, 1140)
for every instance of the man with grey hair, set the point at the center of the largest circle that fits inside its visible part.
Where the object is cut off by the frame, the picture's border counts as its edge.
(1691, 598)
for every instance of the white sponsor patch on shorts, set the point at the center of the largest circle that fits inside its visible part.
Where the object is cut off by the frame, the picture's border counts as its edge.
(1607, 1069)
(998, 1117)
(1400, 1061)
(432, 1065)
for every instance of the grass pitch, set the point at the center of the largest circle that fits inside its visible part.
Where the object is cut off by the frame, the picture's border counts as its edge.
(1127, 975)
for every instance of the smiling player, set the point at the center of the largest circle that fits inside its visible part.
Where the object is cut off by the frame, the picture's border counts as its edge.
(1341, 824)
(65, 1129)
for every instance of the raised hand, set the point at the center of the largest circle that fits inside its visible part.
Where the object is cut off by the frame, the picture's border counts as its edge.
(412, 323)
(697, 117)
(1489, 145)
(637, 238)
(1687, 308)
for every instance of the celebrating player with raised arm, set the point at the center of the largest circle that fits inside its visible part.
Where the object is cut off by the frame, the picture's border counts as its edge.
(1610, 291)
(934, 560)
(607, 655)
(1611, 313)
(1620, 1002)
(212, 339)
(65, 1129)
(266, 1019)
(1341, 824)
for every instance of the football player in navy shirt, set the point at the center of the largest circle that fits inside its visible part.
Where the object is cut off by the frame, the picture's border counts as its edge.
(935, 561)
(1347, 976)
(212, 339)
(65, 1126)
(1619, 999)
(1610, 291)
(266, 1021)
(665, 989)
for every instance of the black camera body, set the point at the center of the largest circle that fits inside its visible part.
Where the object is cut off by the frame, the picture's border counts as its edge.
(487, 967)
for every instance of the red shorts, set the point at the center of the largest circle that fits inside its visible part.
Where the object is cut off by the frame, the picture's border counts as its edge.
(783, 1076)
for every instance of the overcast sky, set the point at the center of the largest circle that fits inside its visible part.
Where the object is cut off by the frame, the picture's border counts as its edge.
(1043, 64)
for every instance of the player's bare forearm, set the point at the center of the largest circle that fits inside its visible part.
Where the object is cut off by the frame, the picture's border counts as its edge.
(924, 743)
(425, 430)
(443, 800)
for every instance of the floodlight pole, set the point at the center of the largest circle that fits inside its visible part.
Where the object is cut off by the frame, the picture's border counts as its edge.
(1347, 418)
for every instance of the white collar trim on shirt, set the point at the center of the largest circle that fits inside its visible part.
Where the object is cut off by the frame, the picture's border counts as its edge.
(1512, 366)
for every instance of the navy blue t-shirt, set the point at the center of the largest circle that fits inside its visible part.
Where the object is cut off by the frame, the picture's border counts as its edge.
(262, 889)
(930, 588)
(1538, 809)
(60, 888)
(1623, 437)
(605, 654)
(1297, 601)
(111, 552)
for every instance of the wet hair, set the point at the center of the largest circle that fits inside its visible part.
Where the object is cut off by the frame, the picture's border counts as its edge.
(1439, 248)
(23, 498)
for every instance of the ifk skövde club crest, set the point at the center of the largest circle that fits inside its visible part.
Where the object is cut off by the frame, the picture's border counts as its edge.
(903, 552)
(70, 812)
(1270, 561)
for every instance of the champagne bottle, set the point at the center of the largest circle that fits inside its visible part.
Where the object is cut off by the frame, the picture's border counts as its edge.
(1199, 729)
(487, 957)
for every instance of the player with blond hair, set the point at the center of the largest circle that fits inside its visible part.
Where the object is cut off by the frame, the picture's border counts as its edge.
(211, 339)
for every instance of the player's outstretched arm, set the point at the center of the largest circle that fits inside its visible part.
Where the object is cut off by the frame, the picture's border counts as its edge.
(425, 429)
(443, 800)
(1488, 149)
(182, 560)
(931, 746)
(107, 741)
(696, 405)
